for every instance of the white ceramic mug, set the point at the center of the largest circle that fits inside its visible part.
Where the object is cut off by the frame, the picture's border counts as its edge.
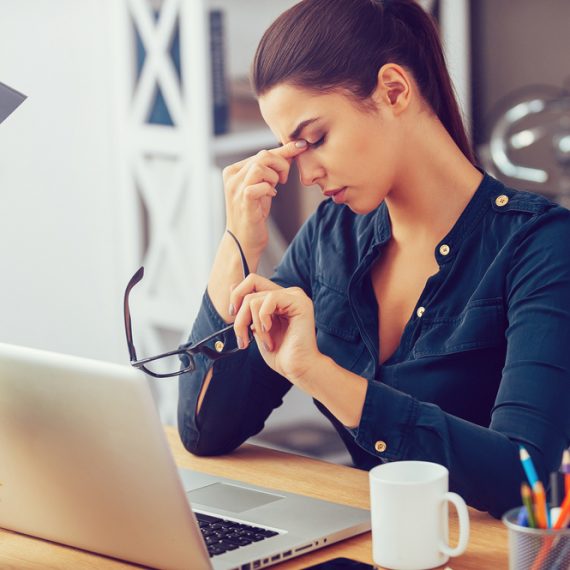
(410, 529)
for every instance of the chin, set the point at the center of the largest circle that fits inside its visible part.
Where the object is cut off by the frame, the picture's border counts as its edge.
(361, 209)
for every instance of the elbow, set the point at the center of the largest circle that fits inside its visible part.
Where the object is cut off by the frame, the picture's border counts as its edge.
(210, 451)
(197, 443)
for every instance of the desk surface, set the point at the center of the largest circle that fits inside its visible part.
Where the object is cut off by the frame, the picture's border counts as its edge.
(487, 545)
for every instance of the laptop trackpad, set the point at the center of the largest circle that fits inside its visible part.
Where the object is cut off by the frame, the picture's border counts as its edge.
(230, 497)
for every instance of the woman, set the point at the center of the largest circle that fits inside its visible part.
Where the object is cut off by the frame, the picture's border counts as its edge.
(426, 306)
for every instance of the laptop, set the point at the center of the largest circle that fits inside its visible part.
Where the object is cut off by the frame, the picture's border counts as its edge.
(84, 461)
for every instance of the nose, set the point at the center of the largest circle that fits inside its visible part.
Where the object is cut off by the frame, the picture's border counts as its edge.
(309, 170)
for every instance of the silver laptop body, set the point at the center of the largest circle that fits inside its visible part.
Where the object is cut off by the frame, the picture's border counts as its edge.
(84, 461)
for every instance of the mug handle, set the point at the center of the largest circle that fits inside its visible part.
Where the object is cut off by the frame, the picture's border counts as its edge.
(463, 515)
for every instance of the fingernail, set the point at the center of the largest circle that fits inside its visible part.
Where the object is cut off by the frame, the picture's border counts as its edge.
(232, 310)
(239, 342)
(263, 328)
(301, 143)
(266, 347)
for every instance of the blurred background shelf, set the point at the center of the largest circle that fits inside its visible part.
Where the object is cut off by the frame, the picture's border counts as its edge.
(244, 138)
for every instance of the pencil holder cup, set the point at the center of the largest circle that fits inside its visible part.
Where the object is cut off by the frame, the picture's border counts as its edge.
(536, 549)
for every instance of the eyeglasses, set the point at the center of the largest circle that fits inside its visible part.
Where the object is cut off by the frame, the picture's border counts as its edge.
(177, 362)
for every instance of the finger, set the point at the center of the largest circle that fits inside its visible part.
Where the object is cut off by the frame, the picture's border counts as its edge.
(254, 193)
(274, 160)
(234, 168)
(243, 321)
(260, 173)
(265, 313)
(241, 326)
(261, 337)
(282, 302)
(251, 284)
(292, 148)
(290, 151)
(278, 158)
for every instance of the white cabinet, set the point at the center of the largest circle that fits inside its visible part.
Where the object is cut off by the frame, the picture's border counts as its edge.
(171, 183)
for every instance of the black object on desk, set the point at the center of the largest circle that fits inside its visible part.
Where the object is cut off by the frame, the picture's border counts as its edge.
(341, 564)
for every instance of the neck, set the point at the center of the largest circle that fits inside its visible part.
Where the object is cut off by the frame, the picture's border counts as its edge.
(432, 188)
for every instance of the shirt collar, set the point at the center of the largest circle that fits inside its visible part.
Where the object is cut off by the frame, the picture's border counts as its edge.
(445, 250)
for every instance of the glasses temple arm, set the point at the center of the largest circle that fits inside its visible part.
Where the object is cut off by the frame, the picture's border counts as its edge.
(127, 313)
(244, 264)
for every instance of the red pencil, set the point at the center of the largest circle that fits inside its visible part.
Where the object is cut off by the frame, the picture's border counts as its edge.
(564, 515)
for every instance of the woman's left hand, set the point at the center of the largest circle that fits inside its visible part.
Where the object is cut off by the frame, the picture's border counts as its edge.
(283, 323)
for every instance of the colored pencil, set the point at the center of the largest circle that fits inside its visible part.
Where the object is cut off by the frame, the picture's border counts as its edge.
(528, 466)
(522, 517)
(561, 522)
(564, 515)
(540, 505)
(526, 495)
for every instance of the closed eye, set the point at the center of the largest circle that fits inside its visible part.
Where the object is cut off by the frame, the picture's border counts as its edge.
(318, 143)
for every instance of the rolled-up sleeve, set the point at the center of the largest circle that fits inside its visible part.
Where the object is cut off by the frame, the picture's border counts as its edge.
(532, 406)
(243, 390)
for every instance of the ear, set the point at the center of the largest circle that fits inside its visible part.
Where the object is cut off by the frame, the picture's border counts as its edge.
(394, 88)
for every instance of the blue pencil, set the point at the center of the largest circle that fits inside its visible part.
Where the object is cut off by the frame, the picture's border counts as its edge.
(528, 466)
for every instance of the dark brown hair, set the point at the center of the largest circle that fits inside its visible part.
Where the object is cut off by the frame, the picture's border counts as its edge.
(332, 45)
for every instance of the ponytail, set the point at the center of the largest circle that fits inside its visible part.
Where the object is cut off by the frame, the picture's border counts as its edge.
(326, 45)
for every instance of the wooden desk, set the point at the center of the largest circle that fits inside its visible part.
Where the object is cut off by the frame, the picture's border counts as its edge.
(487, 545)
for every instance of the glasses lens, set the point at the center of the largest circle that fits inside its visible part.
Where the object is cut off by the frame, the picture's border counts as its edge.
(170, 364)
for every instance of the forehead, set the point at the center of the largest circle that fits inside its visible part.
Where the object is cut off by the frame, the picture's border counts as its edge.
(285, 106)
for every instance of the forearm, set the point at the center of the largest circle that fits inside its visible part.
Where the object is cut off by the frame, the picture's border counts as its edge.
(483, 463)
(341, 391)
(234, 407)
(227, 271)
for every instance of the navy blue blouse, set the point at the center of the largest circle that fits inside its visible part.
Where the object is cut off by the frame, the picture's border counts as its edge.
(483, 364)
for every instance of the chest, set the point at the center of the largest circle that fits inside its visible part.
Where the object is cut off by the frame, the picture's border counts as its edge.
(398, 281)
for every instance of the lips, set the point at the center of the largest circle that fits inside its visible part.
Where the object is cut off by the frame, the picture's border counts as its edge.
(338, 196)
(334, 192)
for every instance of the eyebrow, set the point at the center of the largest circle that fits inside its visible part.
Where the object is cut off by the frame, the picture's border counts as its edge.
(295, 134)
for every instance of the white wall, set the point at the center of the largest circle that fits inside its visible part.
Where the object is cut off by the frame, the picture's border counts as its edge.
(60, 283)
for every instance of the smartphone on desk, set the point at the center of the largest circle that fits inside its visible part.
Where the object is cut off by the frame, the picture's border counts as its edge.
(341, 564)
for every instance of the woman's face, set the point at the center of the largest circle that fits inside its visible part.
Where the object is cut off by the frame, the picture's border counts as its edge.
(349, 148)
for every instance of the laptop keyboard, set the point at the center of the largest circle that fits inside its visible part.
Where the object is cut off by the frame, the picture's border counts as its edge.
(222, 535)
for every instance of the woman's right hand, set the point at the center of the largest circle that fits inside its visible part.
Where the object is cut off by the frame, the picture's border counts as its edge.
(249, 187)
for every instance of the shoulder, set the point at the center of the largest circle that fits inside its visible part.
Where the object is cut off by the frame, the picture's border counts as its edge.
(533, 233)
(511, 200)
(523, 214)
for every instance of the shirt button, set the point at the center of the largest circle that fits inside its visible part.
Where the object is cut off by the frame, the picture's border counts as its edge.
(420, 311)
(444, 249)
(502, 200)
(219, 346)
(380, 446)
